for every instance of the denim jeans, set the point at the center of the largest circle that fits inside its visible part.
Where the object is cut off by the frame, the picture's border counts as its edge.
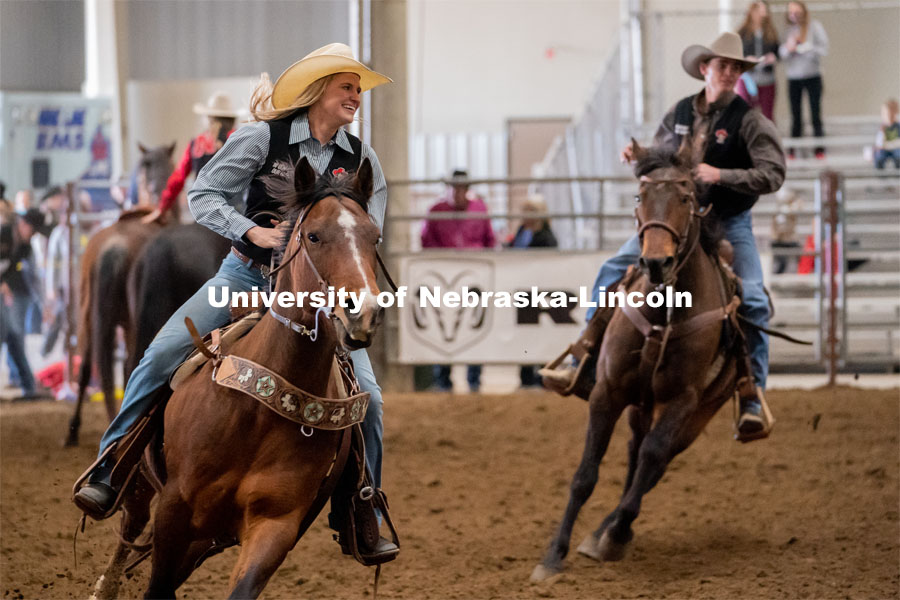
(755, 304)
(882, 156)
(11, 335)
(441, 376)
(173, 344)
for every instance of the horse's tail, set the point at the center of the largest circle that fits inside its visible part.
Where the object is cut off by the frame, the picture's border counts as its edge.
(105, 310)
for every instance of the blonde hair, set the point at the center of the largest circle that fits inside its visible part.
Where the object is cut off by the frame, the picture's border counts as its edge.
(769, 34)
(803, 23)
(261, 107)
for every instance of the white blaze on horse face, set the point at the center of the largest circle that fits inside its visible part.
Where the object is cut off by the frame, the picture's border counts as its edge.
(348, 222)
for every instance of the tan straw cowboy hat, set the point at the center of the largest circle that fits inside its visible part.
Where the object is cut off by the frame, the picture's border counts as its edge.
(218, 105)
(327, 60)
(728, 45)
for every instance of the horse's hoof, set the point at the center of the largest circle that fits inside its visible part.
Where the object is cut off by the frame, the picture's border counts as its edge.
(590, 547)
(544, 573)
(610, 550)
(71, 442)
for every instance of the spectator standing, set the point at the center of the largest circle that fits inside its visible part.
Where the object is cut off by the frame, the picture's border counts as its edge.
(805, 43)
(458, 233)
(534, 232)
(760, 43)
(16, 291)
(887, 142)
(56, 272)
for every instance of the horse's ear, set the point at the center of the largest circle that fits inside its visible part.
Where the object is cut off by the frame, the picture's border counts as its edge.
(638, 152)
(171, 149)
(363, 183)
(304, 177)
(685, 154)
(142, 148)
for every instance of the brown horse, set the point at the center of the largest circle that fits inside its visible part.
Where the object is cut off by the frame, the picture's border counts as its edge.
(103, 287)
(670, 379)
(235, 469)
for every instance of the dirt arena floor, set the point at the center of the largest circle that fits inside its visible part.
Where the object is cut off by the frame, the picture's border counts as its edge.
(478, 483)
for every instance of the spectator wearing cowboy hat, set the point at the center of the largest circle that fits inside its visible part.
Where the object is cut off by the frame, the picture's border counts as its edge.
(220, 118)
(458, 233)
(738, 156)
(302, 115)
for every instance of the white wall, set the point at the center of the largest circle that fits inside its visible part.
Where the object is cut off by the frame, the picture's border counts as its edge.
(860, 71)
(476, 63)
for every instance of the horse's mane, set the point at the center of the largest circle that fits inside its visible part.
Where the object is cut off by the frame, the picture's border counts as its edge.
(281, 188)
(666, 158)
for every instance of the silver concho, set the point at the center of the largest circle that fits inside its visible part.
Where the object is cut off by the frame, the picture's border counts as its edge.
(265, 386)
(289, 403)
(313, 412)
(355, 410)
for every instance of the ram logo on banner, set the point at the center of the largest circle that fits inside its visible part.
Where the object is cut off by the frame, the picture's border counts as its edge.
(466, 331)
(449, 329)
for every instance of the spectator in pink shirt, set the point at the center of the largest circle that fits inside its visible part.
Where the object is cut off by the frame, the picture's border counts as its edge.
(458, 233)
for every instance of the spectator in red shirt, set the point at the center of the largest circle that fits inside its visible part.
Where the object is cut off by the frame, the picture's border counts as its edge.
(221, 116)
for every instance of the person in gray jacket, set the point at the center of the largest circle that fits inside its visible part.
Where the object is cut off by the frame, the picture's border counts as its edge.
(805, 43)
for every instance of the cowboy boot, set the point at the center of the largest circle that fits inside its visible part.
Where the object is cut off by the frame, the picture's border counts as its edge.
(371, 547)
(755, 421)
(579, 378)
(97, 497)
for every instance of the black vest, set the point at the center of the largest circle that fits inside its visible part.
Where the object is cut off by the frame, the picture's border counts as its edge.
(725, 149)
(260, 207)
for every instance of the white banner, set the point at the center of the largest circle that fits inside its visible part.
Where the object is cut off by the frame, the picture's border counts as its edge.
(492, 334)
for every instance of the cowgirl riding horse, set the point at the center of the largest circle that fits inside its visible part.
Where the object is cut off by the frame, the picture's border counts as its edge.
(302, 115)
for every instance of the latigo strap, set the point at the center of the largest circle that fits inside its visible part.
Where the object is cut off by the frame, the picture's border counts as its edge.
(287, 400)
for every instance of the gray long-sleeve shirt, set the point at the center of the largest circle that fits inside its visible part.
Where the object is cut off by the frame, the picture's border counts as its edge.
(231, 170)
(757, 131)
(804, 61)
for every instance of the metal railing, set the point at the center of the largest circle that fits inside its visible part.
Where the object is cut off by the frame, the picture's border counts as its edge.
(825, 293)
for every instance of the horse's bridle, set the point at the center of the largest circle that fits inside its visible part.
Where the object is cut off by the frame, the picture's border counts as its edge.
(323, 285)
(684, 245)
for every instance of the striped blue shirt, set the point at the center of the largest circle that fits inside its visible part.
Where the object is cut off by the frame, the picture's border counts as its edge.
(229, 173)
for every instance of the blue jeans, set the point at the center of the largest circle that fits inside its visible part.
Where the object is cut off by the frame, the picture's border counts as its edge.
(441, 375)
(11, 335)
(755, 304)
(173, 344)
(882, 156)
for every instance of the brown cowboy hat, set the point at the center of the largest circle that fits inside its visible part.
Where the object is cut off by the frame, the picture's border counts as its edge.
(327, 60)
(728, 45)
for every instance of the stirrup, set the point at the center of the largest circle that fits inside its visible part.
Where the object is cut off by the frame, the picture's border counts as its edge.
(578, 380)
(766, 417)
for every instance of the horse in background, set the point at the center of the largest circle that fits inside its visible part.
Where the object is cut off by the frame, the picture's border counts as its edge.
(670, 371)
(169, 270)
(237, 470)
(103, 284)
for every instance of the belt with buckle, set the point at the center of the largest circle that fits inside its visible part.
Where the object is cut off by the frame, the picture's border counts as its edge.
(264, 269)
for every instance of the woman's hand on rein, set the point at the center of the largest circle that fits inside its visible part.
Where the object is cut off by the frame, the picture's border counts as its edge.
(266, 237)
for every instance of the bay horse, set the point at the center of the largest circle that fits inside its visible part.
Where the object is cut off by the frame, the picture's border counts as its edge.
(234, 469)
(669, 370)
(103, 286)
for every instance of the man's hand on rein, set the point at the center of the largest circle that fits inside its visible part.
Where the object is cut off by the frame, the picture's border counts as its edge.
(707, 173)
